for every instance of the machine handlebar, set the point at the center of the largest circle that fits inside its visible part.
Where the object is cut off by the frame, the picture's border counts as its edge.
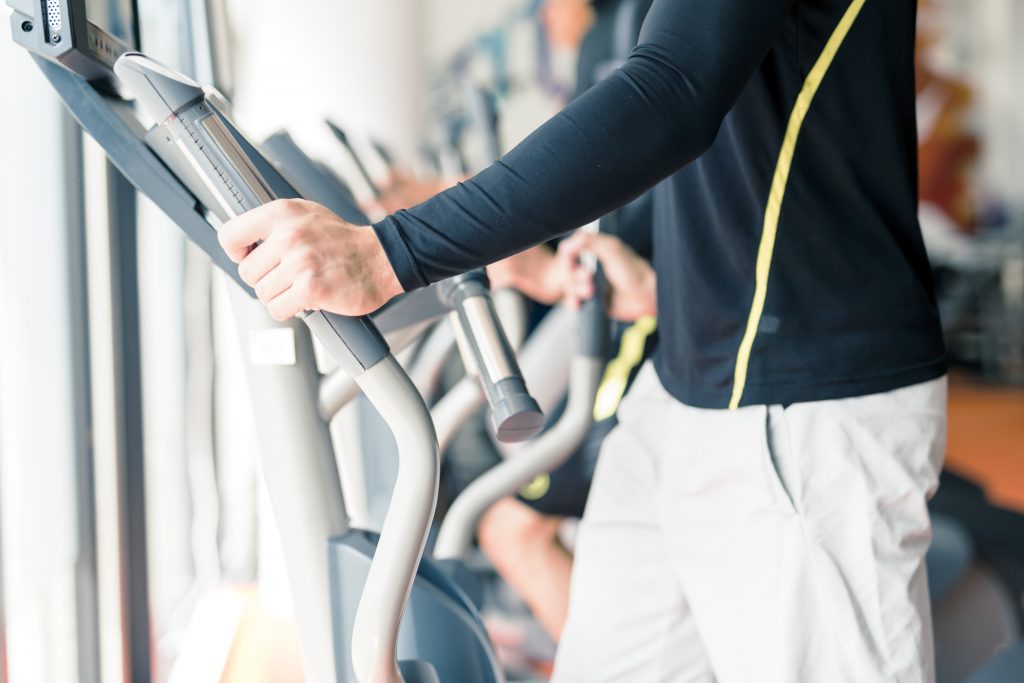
(515, 415)
(181, 105)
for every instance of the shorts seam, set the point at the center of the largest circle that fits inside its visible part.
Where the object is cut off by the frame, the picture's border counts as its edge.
(814, 565)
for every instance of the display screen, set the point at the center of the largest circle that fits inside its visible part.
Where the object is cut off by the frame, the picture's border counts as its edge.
(116, 17)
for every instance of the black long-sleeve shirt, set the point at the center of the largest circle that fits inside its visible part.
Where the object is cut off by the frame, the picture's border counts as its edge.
(789, 258)
(606, 46)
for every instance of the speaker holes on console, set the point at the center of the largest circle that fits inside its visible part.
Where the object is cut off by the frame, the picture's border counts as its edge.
(54, 22)
(53, 14)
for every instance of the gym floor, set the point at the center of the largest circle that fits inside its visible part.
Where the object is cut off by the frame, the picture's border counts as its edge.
(986, 445)
(986, 439)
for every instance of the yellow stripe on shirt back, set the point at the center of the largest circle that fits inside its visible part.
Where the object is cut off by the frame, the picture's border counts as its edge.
(778, 191)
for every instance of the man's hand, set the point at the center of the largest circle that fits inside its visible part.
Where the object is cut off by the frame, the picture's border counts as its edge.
(535, 272)
(299, 256)
(631, 279)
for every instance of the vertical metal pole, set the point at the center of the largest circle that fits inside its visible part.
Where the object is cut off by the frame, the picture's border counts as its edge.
(299, 469)
(86, 585)
(121, 206)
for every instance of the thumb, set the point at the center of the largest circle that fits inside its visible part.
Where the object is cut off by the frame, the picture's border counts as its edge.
(570, 249)
(605, 247)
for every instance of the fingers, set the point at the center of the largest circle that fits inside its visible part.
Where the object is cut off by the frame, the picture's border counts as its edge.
(609, 250)
(259, 262)
(287, 304)
(570, 249)
(238, 235)
(276, 281)
(581, 286)
(606, 246)
(579, 280)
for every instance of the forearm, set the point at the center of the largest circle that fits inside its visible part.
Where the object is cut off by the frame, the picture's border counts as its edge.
(558, 179)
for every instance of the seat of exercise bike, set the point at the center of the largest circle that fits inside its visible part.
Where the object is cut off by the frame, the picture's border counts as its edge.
(1006, 667)
(949, 557)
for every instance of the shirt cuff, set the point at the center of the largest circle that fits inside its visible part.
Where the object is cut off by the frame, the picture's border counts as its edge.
(389, 232)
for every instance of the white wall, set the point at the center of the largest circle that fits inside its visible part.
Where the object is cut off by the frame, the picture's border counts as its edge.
(370, 66)
(351, 60)
(449, 24)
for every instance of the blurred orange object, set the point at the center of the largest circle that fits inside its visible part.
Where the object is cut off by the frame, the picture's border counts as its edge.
(947, 147)
(986, 439)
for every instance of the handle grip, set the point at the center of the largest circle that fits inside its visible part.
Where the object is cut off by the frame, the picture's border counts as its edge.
(594, 333)
(237, 186)
(515, 415)
(355, 343)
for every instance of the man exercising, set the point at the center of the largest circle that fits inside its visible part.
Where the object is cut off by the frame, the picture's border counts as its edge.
(759, 513)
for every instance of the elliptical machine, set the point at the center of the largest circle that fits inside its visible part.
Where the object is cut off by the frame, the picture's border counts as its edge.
(388, 562)
(199, 164)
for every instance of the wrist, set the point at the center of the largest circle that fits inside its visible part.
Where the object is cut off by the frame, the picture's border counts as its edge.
(382, 273)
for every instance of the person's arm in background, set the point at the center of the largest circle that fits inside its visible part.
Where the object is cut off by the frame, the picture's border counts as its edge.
(657, 113)
(541, 275)
(536, 272)
(404, 190)
(632, 282)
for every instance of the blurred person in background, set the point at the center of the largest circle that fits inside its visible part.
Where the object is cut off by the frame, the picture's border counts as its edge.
(948, 146)
(520, 535)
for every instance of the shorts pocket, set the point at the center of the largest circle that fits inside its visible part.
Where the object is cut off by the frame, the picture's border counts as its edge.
(779, 461)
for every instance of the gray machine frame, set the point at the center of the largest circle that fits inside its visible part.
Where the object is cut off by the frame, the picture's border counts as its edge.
(86, 565)
(201, 132)
(112, 123)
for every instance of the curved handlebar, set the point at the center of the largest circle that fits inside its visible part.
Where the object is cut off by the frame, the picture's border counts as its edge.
(456, 534)
(554, 446)
(180, 105)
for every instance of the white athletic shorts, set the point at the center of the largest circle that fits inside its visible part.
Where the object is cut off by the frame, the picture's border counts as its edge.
(760, 545)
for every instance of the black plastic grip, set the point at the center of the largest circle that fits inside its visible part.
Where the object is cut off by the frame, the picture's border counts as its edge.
(362, 338)
(515, 414)
(594, 333)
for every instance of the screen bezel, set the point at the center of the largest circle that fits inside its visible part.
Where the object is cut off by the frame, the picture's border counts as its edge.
(79, 45)
(96, 44)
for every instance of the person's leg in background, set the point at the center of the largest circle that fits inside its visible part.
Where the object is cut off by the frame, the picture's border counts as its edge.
(523, 536)
(523, 545)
